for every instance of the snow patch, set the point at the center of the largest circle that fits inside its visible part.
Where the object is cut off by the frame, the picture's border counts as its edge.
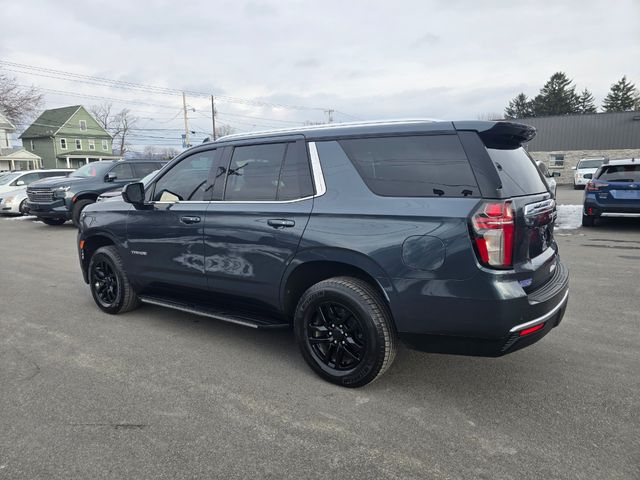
(569, 217)
(25, 217)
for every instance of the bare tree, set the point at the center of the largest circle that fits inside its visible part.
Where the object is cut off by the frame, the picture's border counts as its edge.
(118, 124)
(224, 129)
(154, 152)
(18, 104)
(490, 116)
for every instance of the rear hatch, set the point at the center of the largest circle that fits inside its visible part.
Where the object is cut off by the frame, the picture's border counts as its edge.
(529, 208)
(617, 186)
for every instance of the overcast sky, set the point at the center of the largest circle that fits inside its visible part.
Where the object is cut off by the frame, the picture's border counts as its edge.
(437, 58)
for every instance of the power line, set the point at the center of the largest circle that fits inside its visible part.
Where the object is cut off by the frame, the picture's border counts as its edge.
(76, 77)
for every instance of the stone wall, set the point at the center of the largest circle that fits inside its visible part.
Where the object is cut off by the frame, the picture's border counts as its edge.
(571, 159)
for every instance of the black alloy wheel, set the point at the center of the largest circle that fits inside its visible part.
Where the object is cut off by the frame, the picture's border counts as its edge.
(336, 336)
(105, 283)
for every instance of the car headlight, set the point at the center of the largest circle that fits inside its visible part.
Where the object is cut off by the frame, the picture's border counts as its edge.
(63, 192)
(7, 200)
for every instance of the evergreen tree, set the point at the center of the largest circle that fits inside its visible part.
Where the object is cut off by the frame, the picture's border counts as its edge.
(556, 97)
(621, 97)
(519, 107)
(586, 103)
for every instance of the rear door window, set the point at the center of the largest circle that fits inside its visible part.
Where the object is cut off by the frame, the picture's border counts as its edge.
(254, 172)
(144, 169)
(413, 166)
(620, 173)
(517, 171)
(123, 171)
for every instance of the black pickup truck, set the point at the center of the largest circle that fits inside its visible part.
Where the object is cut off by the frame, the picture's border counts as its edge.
(57, 200)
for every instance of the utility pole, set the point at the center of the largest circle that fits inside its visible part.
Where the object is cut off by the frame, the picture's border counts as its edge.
(186, 121)
(329, 113)
(213, 117)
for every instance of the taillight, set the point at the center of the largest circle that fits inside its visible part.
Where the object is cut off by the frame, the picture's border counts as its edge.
(595, 186)
(493, 228)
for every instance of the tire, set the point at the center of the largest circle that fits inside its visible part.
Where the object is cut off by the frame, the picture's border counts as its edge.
(587, 221)
(22, 208)
(52, 221)
(112, 290)
(363, 332)
(77, 210)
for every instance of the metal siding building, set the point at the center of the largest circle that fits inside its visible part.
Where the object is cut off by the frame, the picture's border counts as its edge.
(598, 131)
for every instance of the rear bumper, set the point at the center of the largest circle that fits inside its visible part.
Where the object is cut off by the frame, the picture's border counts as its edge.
(498, 319)
(56, 209)
(598, 208)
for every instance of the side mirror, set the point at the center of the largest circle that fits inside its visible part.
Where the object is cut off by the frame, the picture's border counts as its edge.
(19, 183)
(555, 174)
(110, 177)
(574, 168)
(133, 193)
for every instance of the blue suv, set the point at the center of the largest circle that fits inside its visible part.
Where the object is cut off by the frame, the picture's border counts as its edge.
(439, 234)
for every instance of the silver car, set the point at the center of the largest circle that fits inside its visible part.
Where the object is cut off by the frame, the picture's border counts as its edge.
(14, 202)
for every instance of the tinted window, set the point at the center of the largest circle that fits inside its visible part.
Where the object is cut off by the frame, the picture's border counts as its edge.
(188, 180)
(94, 169)
(517, 172)
(144, 169)
(254, 172)
(123, 171)
(424, 166)
(620, 173)
(295, 175)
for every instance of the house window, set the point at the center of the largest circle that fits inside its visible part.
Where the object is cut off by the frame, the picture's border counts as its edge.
(32, 146)
(92, 144)
(63, 143)
(105, 145)
(83, 125)
(78, 144)
(556, 160)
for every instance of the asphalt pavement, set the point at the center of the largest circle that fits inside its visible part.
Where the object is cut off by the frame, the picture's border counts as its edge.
(162, 394)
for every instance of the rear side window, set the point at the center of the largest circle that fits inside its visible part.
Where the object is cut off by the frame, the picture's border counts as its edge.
(295, 175)
(415, 166)
(123, 171)
(144, 169)
(620, 173)
(517, 172)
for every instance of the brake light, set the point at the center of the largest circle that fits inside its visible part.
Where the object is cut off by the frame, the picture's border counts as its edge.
(529, 331)
(594, 187)
(493, 227)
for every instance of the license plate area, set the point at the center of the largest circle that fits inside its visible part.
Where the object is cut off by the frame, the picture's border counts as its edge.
(626, 194)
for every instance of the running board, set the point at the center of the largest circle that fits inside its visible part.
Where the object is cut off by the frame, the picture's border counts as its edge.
(245, 319)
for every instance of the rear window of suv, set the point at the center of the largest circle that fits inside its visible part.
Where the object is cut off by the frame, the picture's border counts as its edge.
(620, 173)
(413, 166)
(518, 173)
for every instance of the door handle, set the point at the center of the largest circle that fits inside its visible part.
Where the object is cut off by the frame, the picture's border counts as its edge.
(189, 220)
(281, 223)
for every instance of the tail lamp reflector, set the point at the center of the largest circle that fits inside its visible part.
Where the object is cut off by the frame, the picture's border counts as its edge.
(529, 331)
(493, 228)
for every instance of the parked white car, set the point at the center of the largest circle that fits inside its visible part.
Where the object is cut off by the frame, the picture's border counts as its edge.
(549, 176)
(584, 171)
(14, 202)
(12, 180)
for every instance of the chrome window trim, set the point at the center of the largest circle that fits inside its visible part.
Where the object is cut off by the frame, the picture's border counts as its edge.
(543, 318)
(318, 182)
(316, 169)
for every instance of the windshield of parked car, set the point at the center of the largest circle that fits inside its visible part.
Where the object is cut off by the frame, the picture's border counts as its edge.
(590, 163)
(8, 178)
(95, 169)
(620, 173)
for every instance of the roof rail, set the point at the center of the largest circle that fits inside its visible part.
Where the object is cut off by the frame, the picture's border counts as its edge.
(326, 126)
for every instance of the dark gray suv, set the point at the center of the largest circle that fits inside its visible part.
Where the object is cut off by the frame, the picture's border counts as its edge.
(436, 233)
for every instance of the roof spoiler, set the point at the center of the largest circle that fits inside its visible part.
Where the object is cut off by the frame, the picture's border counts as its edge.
(502, 135)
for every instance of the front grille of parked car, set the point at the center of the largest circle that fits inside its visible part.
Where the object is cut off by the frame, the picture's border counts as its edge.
(40, 195)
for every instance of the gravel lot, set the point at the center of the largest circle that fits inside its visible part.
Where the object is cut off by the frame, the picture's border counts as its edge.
(161, 394)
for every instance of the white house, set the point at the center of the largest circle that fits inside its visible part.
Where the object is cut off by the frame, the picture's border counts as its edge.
(14, 158)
